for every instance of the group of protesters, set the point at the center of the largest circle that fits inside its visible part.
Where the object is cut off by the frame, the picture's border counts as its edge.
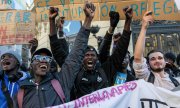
(83, 70)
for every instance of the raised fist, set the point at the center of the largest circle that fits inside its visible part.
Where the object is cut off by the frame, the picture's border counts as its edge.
(114, 18)
(128, 12)
(89, 10)
(53, 12)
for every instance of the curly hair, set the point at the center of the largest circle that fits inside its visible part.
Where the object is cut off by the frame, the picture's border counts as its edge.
(171, 56)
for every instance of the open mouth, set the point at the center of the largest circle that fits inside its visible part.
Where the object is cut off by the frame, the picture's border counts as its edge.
(90, 63)
(6, 63)
(43, 67)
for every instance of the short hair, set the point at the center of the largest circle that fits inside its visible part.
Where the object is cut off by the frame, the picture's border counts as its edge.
(91, 48)
(171, 56)
(153, 51)
(178, 59)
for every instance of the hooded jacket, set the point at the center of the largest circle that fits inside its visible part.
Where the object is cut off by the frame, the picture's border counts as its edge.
(12, 87)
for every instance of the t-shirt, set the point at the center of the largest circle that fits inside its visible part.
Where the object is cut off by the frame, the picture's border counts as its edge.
(120, 78)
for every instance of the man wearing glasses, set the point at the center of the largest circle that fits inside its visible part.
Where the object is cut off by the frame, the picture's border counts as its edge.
(39, 91)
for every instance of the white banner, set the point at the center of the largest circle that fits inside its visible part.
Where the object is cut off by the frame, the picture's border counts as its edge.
(135, 94)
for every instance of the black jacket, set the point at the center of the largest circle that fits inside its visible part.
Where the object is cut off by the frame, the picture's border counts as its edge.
(87, 82)
(44, 95)
(172, 70)
(59, 48)
(103, 75)
(112, 64)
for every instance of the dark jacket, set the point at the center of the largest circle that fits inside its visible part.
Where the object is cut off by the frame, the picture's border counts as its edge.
(12, 87)
(172, 70)
(102, 76)
(87, 82)
(112, 64)
(44, 94)
(59, 48)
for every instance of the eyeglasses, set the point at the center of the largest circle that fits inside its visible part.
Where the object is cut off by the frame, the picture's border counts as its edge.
(41, 58)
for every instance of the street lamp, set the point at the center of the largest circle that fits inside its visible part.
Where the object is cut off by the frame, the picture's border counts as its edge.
(94, 30)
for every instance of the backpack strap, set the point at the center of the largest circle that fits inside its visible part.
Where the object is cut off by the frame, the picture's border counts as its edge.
(174, 81)
(151, 78)
(20, 96)
(57, 87)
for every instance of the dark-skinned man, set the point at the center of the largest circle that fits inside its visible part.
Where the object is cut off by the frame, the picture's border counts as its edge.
(10, 75)
(121, 74)
(99, 73)
(38, 91)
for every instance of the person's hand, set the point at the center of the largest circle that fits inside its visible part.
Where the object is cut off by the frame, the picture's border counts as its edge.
(128, 12)
(89, 10)
(60, 23)
(53, 12)
(33, 44)
(147, 19)
(114, 18)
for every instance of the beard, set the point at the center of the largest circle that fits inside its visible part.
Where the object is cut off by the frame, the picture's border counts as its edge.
(157, 70)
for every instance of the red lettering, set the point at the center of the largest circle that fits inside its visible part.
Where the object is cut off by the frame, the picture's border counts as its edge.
(132, 86)
(3, 30)
(79, 103)
(114, 91)
(96, 97)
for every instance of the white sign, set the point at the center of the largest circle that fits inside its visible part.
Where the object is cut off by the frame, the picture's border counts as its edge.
(135, 94)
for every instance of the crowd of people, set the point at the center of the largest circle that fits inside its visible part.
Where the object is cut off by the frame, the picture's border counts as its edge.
(83, 69)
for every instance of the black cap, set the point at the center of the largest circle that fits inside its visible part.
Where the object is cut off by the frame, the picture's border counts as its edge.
(42, 50)
(91, 48)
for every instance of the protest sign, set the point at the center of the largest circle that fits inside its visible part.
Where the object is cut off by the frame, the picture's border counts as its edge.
(42, 14)
(164, 9)
(82, 1)
(139, 8)
(12, 4)
(5, 4)
(70, 12)
(135, 94)
(77, 12)
(47, 3)
(16, 27)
